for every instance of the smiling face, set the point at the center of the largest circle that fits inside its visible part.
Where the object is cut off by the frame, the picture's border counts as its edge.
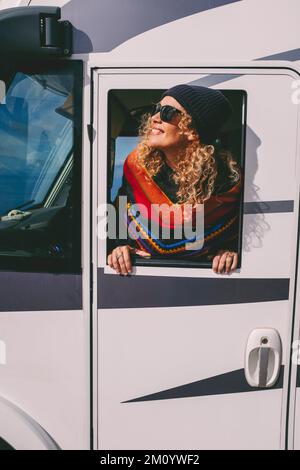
(165, 136)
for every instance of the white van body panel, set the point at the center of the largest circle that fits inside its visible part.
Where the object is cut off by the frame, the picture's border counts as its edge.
(47, 369)
(13, 3)
(295, 443)
(155, 351)
(46, 374)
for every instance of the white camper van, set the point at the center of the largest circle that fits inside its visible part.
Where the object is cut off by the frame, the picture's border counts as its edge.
(173, 356)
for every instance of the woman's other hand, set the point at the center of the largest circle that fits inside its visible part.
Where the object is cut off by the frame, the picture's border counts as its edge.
(225, 261)
(120, 259)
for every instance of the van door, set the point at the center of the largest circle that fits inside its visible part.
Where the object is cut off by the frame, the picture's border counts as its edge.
(173, 341)
(44, 277)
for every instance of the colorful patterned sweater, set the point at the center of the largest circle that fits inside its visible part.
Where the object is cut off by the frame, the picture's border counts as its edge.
(151, 232)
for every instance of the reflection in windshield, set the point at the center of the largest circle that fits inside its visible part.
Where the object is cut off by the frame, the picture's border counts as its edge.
(36, 138)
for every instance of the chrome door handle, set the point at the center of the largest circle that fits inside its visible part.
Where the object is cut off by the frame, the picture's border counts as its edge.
(263, 358)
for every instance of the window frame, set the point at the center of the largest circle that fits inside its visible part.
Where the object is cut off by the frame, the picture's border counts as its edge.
(181, 263)
(56, 265)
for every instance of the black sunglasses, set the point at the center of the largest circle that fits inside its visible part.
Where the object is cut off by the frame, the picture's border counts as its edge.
(166, 112)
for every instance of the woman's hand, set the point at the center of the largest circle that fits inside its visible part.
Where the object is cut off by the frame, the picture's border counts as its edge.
(225, 260)
(120, 258)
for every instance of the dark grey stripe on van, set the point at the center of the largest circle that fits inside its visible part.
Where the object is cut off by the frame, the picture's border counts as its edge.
(162, 291)
(268, 207)
(292, 55)
(37, 291)
(231, 382)
(100, 28)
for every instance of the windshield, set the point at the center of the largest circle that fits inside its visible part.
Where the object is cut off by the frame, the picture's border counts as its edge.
(36, 137)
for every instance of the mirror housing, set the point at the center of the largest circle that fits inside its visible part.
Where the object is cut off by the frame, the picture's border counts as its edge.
(35, 32)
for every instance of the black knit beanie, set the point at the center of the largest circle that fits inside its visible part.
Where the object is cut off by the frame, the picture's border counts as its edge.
(208, 108)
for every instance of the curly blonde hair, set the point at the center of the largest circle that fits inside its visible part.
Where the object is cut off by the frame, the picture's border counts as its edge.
(196, 171)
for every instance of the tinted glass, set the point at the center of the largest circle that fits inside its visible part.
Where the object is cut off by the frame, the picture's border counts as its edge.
(40, 170)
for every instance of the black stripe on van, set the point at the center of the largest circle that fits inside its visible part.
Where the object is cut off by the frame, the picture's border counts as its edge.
(116, 291)
(231, 382)
(40, 291)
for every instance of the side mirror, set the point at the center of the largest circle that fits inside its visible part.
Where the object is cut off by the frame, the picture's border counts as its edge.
(35, 32)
